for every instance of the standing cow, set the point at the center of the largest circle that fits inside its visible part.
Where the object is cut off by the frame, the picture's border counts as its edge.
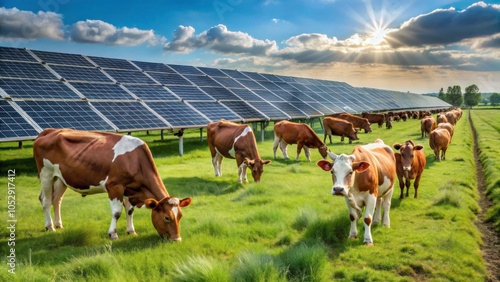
(303, 135)
(357, 122)
(410, 163)
(364, 178)
(97, 162)
(427, 125)
(339, 127)
(235, 141)
(439, 139)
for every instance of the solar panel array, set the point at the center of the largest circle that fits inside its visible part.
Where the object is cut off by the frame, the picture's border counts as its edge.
(42, 89)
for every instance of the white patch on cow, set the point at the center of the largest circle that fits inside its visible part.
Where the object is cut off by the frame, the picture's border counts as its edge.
(244, 133)
(384, 187)
(174, 201)
(126, 144)
(101, 188)
(116, 209)
(49, 171)
(377, 144)
(175, 210)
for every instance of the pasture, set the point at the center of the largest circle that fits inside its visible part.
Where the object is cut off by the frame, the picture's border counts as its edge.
(286, 228)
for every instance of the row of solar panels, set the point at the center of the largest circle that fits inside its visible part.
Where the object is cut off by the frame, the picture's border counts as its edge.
(46, 89)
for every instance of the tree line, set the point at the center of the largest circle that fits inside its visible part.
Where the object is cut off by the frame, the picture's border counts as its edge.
(471, 97)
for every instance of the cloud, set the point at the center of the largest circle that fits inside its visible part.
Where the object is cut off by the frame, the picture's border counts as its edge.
(16, 24)
(219, 39)
(96, 31)
(447, 26)
(491, 42)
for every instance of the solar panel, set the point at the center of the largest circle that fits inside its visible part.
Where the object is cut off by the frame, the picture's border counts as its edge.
(24, 70)
(250, 84)
(15, 54)
(13, 125)
(178, 114)
(247, 95)
(215, 111)
(290, 110)
(157, 67)
(64, 114)
(201, 80)
(151, 92)
(244, 110)
(129, 76)
(192, 93)
(111, 63)
(270, 85)
(288, 79)
(36, 89)
(268, 95)
(212, 72)
(185, 69)
(306, 108)
(63, 59)
(271, 77)
(102, 91)
(220, 93)
(254, 76)
(285, 95)
(169, 78)
(130, 116)
(228, 82)
(71, 73)
(273, 112)
(234, 74)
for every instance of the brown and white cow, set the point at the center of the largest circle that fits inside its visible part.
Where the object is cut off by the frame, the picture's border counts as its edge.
(98, 162)
(357, 122)
(235, 141)
(364, 178)
(448, 127)
(427, 124)
(439, 139)
(375, 118)
(339, 127)
(410, 163)
(303, 135)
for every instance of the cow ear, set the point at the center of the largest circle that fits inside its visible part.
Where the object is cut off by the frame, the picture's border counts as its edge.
(418, 147)
(185, 202)
(151, 203)
(397, 146)
(360, 166)
(325, 165)
(266, 162)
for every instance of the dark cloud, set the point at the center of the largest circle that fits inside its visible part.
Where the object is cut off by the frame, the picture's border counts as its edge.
(442, 27)
(493, 42)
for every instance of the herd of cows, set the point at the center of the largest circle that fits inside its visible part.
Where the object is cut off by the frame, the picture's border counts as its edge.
(123, 166)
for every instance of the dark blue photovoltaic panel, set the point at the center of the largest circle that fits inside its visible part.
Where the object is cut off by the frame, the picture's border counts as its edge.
(215, 111)
(250, 84)
(220, 93)
(306, 108)
(102, 91)
(268, 95)
(128, 76)
(80, 73)
(228, 82)
(64, 114)
(269, 110)
(13, 125)
(151, 92)
(289, 109)
(270, 85)
(201, 80)
(130, 115)
(247, 95)
(110, 63)
(15, 54)
(271, 77)
(185, 69)
(212, 72)
(285, 95)
(24, 70)
(254, 76)
(44, 89)
(234, 74)
(158, 67)
(63, 59)
(288, 79)
(178, 114)
(192, 93)
(169, 78)
(244, 110)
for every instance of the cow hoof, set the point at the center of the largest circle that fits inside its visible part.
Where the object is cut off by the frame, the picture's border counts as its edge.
(369, 244)
(50, 229)
(59, 227)
(133, 233)
(353, 237)
(113, 236)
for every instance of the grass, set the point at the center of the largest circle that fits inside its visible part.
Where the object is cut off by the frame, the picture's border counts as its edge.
(286, 228)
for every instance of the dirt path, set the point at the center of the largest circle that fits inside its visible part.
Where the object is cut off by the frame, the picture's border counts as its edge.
(491, 239)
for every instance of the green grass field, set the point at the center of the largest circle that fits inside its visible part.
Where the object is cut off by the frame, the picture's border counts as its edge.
(286, 228)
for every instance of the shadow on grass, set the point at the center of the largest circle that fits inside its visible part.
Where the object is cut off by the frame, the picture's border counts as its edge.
(196, 186)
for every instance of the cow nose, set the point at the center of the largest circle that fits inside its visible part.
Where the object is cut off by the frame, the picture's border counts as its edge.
(178, 239)
(337, 190)
(407, 168)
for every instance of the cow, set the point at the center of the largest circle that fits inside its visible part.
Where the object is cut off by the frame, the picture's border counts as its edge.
(447, 126)
(303, 135)
(441, 118)
(410, 163)
(375, 118)
(235, 141)
(388, 122)
(364, 178)
(99, 162)
(357, 122)
(427, 125)
(439, 139)
(339, 127)
(452, 117)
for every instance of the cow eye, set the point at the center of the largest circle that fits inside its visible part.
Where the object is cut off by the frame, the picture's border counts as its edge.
(331, 171)
(167, 219)
(350, 172)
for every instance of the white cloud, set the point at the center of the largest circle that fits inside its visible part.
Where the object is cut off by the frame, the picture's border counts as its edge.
(16, 25)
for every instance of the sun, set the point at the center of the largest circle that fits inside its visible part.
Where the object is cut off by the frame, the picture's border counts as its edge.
(377, 35)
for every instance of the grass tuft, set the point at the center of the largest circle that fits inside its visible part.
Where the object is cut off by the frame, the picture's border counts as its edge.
(450, 198)
(304, 217)
(306, 263)
(258, 268)
(201, 269)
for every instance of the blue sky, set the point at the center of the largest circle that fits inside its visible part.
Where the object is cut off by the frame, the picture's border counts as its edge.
(416, 46)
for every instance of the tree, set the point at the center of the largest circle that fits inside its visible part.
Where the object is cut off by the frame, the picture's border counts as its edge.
(495, 99)
(472, 96)
(442, 95)
(454, 96)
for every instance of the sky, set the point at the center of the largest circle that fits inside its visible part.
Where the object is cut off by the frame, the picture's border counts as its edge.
(416, 46)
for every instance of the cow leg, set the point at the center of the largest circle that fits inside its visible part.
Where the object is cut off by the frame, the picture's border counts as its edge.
(217, 163)
(407, 184)
(416, 183)
(57, 196)
(275, 145)
(116, 203)
(129, 209)
(242, 173)
(353, 215)
(47, 183)
(299, 149)
(378, 211)
(284, 149)
(371, 203)
(386, 204)
(402, 187)
(443, 155)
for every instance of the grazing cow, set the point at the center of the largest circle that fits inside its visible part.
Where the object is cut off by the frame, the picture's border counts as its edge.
(364, 178)
(98, 162)
(357, 122)
(374, 118)
(339, 127)
(441, 117)
(448, 127)
(410, 163)
(388, 123)
(303, 135)
(439, 139)
(427, 125)
(235, 141)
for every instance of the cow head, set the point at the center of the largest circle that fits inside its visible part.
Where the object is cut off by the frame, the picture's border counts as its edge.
(407, 154)
(166, 216)
(353, 134)
(342, 169)
(368, 127)
(257, 167)
(323, 150)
